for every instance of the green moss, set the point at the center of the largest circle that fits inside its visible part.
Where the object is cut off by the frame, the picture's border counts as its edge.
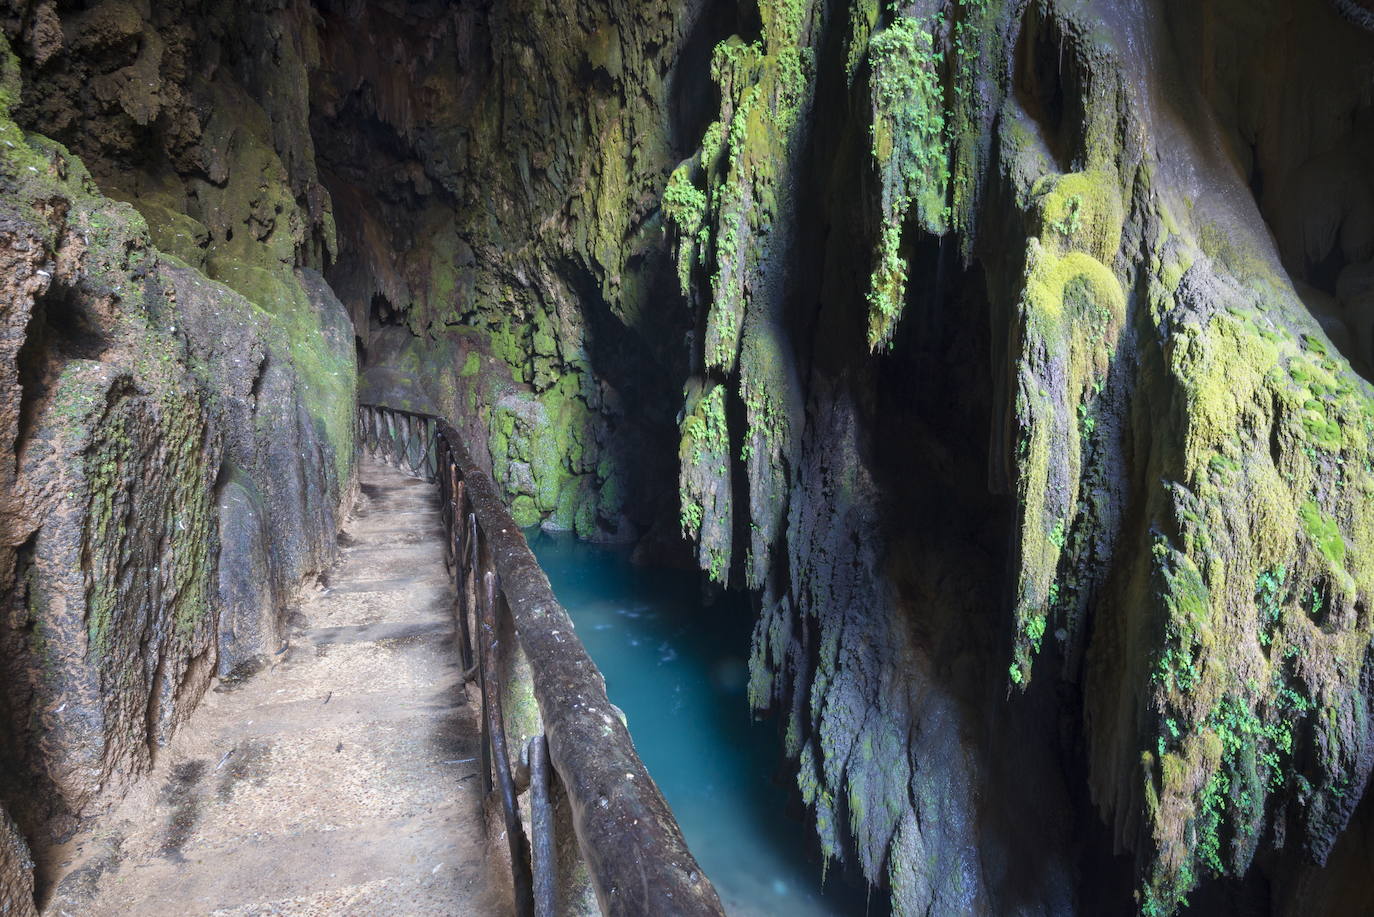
(1257, 403)
(912, 157)
(562, 450)
(1324, 532)
(440, 305)
(690, 516)
(323, 358)
(703, 493)
(685, 206)
(552, 432)
(507, 342)
(863, 18)
(585, 519)
(611, 502)
(1080, 212)
(976, 41)
(525, 511)
(11, 79)
(1072, 312)
(519, 706)
(175, 232)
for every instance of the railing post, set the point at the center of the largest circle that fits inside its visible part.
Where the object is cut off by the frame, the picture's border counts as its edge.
(459, 542)
(500, 755)
(429, 457)
(483, 675)
(541, 828)
(471, 596)
(412, 445)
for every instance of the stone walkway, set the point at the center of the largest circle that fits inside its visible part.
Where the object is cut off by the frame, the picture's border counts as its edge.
(341, 780)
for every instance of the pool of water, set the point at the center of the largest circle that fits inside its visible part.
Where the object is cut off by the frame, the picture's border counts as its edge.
(679, 670)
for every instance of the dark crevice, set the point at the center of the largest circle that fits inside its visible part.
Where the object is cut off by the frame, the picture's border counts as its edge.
(1048, 85)
(695, 96)
(27, 796)
(153, 714)
(1323, 272)
(645, 380)
(60, 329)
(385, 314)
(259, 378)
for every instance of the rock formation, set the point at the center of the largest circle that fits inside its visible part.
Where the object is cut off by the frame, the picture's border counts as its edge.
(1012, 356)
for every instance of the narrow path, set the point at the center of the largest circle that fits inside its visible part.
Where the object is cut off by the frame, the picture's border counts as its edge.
(342, 780)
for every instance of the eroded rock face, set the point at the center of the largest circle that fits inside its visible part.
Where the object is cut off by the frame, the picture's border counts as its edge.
(16, 871)
(138, 390)
(1163, 413)
(494, 170)
(1012, 355)
(997, 391)
(107, 632)
(278, 488)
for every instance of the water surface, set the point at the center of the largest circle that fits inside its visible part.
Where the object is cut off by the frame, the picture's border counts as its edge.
(679, 670)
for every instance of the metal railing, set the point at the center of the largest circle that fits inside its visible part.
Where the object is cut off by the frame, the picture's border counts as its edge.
(633, 849)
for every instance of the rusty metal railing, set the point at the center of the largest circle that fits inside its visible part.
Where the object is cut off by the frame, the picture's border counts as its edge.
(633, 849)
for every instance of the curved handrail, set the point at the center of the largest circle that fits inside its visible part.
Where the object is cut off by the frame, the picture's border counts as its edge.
(633, 848)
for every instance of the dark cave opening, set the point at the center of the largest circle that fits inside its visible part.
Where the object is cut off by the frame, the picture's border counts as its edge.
(949, 536)
(696, 98)
(383, 313)
(643, 376)
(1047, 84)
(61, 328)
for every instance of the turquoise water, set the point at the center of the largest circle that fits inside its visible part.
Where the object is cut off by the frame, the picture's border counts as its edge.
(679, 670)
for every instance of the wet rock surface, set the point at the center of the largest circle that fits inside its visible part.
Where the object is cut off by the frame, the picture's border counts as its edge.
(340, 779)
(133, 392)
(1012, 356)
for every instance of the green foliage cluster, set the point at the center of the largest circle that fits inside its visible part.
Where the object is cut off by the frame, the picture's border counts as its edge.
(911, 153)
(722, 205)
(685, 206)
(551, 436)
(704, 454)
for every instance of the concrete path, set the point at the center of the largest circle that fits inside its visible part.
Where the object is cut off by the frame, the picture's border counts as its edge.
(342, 780)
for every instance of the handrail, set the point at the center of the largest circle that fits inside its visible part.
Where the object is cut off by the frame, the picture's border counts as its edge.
(634, 850)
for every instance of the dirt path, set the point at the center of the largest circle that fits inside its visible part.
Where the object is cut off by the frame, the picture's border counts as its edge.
(342, 780)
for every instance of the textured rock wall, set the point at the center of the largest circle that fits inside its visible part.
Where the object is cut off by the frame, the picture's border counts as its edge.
(1020, 362)
(16, 876)
(178, 392)
(1015, 354)
(1012, 355)
(1182, 441)
(495, 169)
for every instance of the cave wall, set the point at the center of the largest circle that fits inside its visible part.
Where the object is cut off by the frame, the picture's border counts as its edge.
(1174, 531)
(1011, 355)
(179, 384)
(500, 204)
(1015, 356)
